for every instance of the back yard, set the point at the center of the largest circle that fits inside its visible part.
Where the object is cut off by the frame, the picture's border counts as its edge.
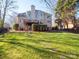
(39, 45)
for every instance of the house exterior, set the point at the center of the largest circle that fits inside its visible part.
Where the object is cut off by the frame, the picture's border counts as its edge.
(25, 20)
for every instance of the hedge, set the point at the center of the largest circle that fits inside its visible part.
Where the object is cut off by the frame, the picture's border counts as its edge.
(39, 27)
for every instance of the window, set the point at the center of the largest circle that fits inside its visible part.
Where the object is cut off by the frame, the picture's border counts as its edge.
(29, 14)
(41, 14)
(36, 14)
(49, 21)
(48, 16)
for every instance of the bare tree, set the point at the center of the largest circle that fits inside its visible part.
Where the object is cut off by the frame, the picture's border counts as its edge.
(51, 4)
(7, 6)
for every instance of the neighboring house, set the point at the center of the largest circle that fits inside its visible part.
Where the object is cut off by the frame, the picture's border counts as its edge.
(34, 17)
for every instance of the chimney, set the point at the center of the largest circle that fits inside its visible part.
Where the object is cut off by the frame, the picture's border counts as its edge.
(33, 12)
(32, 7)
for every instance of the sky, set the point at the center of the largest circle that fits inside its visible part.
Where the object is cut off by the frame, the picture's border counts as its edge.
(24, 5)
(77, 15)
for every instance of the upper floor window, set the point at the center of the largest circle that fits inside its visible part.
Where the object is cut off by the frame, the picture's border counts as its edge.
(48, 16)
(49, 21)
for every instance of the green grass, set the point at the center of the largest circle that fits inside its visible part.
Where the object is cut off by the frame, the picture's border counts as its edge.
(39, 45)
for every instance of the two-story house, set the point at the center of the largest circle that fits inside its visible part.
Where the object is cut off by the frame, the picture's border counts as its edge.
(33, 17)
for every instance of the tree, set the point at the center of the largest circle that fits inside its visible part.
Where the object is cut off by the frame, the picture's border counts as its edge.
(0, 23)
(66, 9)
(6, 7)
(50, 4)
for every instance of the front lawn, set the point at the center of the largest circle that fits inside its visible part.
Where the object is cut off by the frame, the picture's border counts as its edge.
(39, 45)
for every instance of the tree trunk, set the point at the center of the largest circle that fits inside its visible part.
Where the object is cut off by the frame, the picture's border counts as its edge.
(67, 26)
(4, 13)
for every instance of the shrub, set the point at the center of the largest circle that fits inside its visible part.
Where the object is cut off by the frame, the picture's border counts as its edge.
(3, 30)
(16, 26)
(1, 23)
(39, 27)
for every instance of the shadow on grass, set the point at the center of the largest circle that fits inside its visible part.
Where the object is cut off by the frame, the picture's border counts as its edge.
(74, 38)
(59, 43)
(41, 51)
(2, 52)
(64, 53)
(46, 41)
